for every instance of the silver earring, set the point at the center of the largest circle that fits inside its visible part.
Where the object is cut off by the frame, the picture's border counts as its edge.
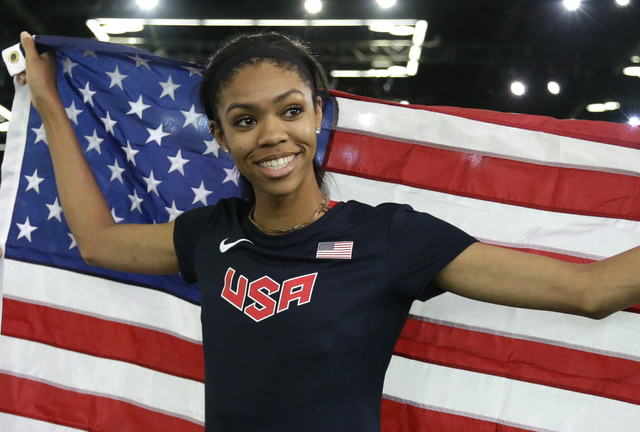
(225, 149)
(317, 131)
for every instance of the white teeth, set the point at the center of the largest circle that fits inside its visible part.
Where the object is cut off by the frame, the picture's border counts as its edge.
(277, 164)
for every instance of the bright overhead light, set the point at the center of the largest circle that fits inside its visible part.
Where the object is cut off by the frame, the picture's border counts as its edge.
(386, 4)
(623, 2)
(4, 126)
(634, 121)
(572, 4)
(553, 87)
(96, 29)
(635, 59)
(611, 106)
(632, 71)
(419, 33)
(313, 6)
(147, 4)
(602, 107)
(517, 88)
(123, 27)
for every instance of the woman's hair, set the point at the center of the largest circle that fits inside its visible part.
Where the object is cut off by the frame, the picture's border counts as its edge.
(292, 55)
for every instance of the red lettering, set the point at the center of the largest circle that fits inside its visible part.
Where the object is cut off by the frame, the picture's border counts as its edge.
(236, 297)
(299, 288)
(263, 306)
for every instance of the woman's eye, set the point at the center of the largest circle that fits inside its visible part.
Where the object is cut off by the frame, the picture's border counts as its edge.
(293, 111)
(244, 122)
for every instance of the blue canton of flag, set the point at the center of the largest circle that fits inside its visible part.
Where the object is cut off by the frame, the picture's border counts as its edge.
(138, 120)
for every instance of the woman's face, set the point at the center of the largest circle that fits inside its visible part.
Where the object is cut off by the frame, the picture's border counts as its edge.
(268, 120)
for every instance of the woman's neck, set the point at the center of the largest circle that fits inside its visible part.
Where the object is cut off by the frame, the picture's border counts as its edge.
(273, 213)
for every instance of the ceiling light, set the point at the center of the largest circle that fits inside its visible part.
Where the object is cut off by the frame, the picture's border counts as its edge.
(123, 27)
(553, 87)
(571, 4)
(623, 2)
(632, 71)
(635, 59)
(5, 113)
(313, 6)
(147, 4)
(634, 121)
(602, 107)
(419, 33)
(96, 29)
(4, 126)
(611, 106)
(518, 89)
(386, 4)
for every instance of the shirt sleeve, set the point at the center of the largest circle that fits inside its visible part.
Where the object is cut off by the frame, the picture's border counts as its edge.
(419, 247)
(187, 233)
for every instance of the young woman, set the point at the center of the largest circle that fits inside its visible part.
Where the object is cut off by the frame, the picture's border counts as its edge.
(296, 337)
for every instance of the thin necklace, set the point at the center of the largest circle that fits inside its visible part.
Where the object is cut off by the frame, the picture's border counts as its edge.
(324, 207)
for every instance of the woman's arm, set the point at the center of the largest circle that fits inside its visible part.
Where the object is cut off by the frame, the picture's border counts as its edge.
(102, 242)
(503, 276)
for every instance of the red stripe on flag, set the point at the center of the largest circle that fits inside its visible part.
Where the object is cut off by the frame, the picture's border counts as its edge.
(36, 400)
(559, 189)
(103, 338)
(523, 360)
(621, 135)
(400, 417)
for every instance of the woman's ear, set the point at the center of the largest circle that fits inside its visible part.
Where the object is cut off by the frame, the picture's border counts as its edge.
(318, 112)
(218, 134)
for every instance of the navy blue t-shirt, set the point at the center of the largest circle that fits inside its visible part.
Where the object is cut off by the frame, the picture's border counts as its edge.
(298, 329)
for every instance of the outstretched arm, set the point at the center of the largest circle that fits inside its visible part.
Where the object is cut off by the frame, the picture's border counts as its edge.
(102, 242)
(502, 276)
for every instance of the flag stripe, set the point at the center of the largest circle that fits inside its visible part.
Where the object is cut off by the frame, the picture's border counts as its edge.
(401, 416)
(84, 411)
(523, 360)
(77, 292)
(586, 236)
(507, 401)
(422, 125)
(11, 422)
(102, 377)
(102, 338)
(501, 180)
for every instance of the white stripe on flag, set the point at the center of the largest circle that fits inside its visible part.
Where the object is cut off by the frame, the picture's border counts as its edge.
(578, 235)
(110, 378)
(506, 401)
(12, 423)
(102, 298)
(368, 118)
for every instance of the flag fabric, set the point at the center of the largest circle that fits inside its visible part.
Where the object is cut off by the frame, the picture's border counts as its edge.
(83, 348)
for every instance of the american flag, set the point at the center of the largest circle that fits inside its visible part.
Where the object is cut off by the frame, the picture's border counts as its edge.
(87, 349)
(335, 250)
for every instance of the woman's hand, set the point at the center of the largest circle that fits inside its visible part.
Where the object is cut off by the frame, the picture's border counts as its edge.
(40, 74)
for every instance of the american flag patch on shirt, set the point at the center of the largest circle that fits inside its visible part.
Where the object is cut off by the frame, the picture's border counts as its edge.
(338, 250)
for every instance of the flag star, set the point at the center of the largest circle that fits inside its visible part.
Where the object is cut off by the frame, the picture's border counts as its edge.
(34, 181)
(169, 88)
(72, 112)
(233, 175)
(131, 153)
(173, 211)
(26, 229)
(116, 219)
(140, 61)
(201, 194)
(191, 117)
(135, 201)
(116, 171)
(193, 70)
(152, 183)
(40, 134)
(109, 124)
(73, 241)
(212, 147)
(87, 94)
(116, 78)
(177, 162)
(68, 65)
(94, 142)
(157, 134)
(55, 211)
(89, 53)
(137, 107)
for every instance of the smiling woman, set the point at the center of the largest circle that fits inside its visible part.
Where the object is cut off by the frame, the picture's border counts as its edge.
(302, 304)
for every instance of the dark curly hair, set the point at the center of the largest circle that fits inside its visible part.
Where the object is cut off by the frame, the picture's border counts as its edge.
(212, 85)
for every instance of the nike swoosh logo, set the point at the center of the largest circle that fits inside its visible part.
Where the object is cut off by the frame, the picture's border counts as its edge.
(226, 246)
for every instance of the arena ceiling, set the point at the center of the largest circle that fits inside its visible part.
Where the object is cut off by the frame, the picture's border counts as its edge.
(472, 51)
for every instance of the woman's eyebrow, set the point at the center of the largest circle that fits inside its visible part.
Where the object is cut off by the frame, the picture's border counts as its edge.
(275, 100)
